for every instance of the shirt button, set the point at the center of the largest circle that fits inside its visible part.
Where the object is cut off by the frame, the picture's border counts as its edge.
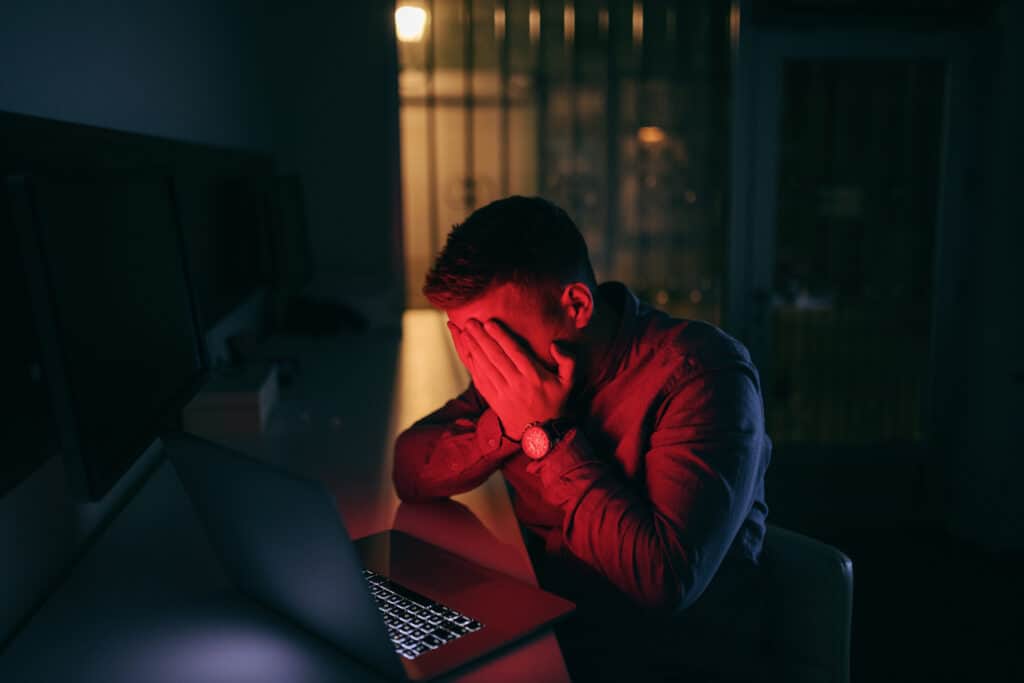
(492, 443)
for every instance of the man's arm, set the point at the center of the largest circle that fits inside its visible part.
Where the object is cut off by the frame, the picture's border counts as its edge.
(452, 450)
(663, 545)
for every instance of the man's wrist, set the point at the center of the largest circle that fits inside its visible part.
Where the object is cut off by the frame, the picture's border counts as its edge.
(513, 435)
(541, 437)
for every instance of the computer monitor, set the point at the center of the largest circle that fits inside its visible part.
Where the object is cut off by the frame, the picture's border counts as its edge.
(29, 438)
(291, 253)
(115, 314)
(226, 227)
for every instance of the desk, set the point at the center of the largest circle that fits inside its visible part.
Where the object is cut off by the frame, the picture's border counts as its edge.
(150, 602)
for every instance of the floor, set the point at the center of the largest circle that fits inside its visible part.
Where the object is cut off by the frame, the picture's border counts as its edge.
(930, 607)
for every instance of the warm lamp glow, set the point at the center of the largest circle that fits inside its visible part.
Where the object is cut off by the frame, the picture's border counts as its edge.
(650, 135)
(410, 22)
(638, 23)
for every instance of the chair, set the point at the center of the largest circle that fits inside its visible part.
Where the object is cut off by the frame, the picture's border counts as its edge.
(787, 620)
(808, 608)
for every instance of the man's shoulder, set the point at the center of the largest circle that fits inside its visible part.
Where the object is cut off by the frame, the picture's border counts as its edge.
(698, 344)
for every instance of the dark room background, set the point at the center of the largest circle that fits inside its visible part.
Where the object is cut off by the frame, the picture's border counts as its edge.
(885, 317)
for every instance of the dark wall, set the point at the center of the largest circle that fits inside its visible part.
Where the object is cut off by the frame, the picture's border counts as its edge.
(313, 82)
(987, 503)
(184, 69)
(336, 124)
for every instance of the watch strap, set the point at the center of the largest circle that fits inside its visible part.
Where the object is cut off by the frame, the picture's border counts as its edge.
(557, 429)
(554, 430)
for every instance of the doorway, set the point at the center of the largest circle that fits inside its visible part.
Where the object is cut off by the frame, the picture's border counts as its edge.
(845, 230)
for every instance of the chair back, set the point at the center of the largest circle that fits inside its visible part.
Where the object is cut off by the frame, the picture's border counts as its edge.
(808, 608)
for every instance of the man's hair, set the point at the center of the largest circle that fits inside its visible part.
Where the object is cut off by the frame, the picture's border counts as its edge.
(527, 241)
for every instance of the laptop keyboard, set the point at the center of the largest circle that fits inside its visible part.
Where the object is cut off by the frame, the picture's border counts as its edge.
(416, 624)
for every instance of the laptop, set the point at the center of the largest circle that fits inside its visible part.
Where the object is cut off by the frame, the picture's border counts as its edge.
(407, 608)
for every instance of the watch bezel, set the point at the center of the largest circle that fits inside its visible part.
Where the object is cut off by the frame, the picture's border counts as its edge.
(527, 438)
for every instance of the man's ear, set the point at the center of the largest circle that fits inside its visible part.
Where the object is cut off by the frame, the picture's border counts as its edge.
(578, 304)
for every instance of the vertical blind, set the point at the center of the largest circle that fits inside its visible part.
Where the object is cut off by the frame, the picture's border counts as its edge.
(616, 111)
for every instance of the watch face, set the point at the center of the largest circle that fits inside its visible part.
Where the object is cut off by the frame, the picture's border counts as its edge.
(536, 443)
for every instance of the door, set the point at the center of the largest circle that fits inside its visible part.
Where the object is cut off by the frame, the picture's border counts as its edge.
(846, 225)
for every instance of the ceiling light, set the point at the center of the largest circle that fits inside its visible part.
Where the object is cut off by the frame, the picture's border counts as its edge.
(410, 23)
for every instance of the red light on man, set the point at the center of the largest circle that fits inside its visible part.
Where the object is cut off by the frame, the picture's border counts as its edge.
(634, 442)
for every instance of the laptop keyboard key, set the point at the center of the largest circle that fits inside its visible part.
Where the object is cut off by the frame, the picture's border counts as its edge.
(418, 648)
(416, 624)
(455, 628)
(443, 633)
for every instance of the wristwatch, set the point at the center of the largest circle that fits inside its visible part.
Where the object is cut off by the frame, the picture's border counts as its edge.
(540, 437)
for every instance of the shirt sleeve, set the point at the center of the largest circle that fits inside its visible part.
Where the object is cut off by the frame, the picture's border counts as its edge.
(452, 450)
(661, 544)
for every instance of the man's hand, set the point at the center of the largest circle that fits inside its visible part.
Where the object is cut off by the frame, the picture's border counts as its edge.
(513, 381)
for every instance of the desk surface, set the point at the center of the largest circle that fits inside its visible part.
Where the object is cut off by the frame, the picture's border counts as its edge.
(150, 600)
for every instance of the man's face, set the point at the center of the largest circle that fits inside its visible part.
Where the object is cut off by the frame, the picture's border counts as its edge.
(521, 312)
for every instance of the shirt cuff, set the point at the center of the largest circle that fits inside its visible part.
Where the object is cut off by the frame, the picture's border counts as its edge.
(490, 439)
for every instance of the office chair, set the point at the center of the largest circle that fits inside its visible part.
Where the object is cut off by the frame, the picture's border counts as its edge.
(808, 608)
(787, 620)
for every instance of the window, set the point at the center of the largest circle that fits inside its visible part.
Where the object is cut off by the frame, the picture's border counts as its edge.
(615, 110)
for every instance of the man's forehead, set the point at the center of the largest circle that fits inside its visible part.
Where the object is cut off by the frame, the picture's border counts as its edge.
(506, 302)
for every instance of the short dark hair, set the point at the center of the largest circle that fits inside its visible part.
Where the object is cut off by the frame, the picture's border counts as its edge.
(523, 240)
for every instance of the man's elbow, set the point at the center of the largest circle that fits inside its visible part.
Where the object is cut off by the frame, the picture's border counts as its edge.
(670, 595)
(405, 489)
(664, 594)
(407, 471)
(404, 471)
(404, 479)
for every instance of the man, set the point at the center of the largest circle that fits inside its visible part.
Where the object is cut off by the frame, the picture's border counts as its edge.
(633, 443)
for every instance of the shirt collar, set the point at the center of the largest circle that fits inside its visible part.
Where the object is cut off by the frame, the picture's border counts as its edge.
(616, 294)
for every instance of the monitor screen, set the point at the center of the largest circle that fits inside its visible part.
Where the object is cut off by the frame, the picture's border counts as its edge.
(128, 352)
(291, 253)
(226, 232)
(29, 437)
